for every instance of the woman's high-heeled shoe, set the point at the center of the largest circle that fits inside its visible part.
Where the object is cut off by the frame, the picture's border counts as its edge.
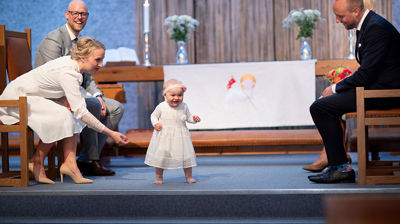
(349, 159)
(43, 180)
(78, 180)
(322, 165)
(317, 167)
(30, 166)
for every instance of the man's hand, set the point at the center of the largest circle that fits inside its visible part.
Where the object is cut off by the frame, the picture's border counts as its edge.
(327, 92)
(103, 108)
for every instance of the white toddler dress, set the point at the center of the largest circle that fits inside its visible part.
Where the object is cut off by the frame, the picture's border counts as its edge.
(172, 147)
(50, 120)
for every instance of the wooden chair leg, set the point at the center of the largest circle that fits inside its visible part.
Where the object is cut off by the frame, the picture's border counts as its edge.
(362, 154)
(51, 167)
(23, 155)
(4, 152)
(60, 155)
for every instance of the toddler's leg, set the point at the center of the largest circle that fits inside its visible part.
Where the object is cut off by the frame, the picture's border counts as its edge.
(159, 176)
(188, 175)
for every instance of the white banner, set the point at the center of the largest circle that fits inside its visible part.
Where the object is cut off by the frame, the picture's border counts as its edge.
(248, 95)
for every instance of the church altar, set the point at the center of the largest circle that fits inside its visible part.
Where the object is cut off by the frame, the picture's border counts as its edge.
(248, 95)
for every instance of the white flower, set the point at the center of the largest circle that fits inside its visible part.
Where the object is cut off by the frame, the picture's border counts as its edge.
(305, 19)
(180, 26)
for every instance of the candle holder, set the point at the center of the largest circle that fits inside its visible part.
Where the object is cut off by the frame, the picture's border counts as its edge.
(146, 33)
(146, 51)
(350, 37)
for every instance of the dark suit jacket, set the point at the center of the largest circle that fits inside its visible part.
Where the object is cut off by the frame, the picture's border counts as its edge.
(378, 48)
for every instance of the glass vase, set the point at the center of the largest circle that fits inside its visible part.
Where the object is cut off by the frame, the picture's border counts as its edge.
(305, 50)
(181, 55)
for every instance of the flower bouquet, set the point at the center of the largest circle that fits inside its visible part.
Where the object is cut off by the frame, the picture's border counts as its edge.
(337, 74)
(180, 26)
(305, 19)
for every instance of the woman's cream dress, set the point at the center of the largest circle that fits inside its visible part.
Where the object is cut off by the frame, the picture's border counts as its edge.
(50, 120)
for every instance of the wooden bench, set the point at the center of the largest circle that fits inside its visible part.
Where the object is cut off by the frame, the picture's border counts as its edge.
(234, 141)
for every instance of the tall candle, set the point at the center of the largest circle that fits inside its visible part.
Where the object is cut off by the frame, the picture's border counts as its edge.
(146, 16)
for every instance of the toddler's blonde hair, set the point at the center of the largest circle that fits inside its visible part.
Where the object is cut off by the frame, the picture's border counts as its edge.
(171, 84)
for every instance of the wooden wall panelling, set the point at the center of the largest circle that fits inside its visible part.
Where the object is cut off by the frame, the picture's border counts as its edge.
(282, 35)
(214, 35)
(338, 43)
(252, 25)
(240, 30)
(269, 47)
(320, 39)
(384, 8)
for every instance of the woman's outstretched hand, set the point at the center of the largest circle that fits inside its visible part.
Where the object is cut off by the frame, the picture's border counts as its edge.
(119, 138)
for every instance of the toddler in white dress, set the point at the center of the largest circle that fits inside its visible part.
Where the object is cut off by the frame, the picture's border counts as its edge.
(171, 146)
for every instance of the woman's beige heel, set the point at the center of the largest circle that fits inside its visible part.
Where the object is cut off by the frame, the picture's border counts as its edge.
(43, 180)
(62, 175)
(78, 180)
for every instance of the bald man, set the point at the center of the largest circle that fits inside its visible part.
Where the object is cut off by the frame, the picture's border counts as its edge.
(378, 53)
(59, 43)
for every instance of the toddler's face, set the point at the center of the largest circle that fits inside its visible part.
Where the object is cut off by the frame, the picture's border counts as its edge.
(174, 97)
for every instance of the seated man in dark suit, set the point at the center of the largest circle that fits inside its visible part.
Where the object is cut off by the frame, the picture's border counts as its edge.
(378, 53)
(59, 43)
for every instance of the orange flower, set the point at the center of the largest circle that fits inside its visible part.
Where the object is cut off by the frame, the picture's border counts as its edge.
(336, 79)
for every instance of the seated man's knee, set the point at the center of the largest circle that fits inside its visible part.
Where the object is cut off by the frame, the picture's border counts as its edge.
(115, 108)
(314, 107)
(94, 106)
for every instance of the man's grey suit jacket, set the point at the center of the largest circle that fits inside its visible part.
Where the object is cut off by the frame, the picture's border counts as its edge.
(56, 44)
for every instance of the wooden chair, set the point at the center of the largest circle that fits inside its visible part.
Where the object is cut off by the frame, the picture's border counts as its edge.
(375, 172)
(15, 59)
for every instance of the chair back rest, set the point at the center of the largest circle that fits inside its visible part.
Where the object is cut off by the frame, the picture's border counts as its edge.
(15, 54)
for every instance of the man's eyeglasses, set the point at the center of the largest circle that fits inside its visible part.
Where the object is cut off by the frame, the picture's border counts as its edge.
(75, 14)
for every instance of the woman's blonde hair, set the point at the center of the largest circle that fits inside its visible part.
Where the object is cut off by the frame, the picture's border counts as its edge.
(369, 4)
(84, 47)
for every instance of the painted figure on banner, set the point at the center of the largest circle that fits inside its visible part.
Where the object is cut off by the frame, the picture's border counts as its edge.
(239, 96)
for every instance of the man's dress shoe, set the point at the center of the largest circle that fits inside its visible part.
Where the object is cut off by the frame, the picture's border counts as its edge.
(94, 168)
(333, 175)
